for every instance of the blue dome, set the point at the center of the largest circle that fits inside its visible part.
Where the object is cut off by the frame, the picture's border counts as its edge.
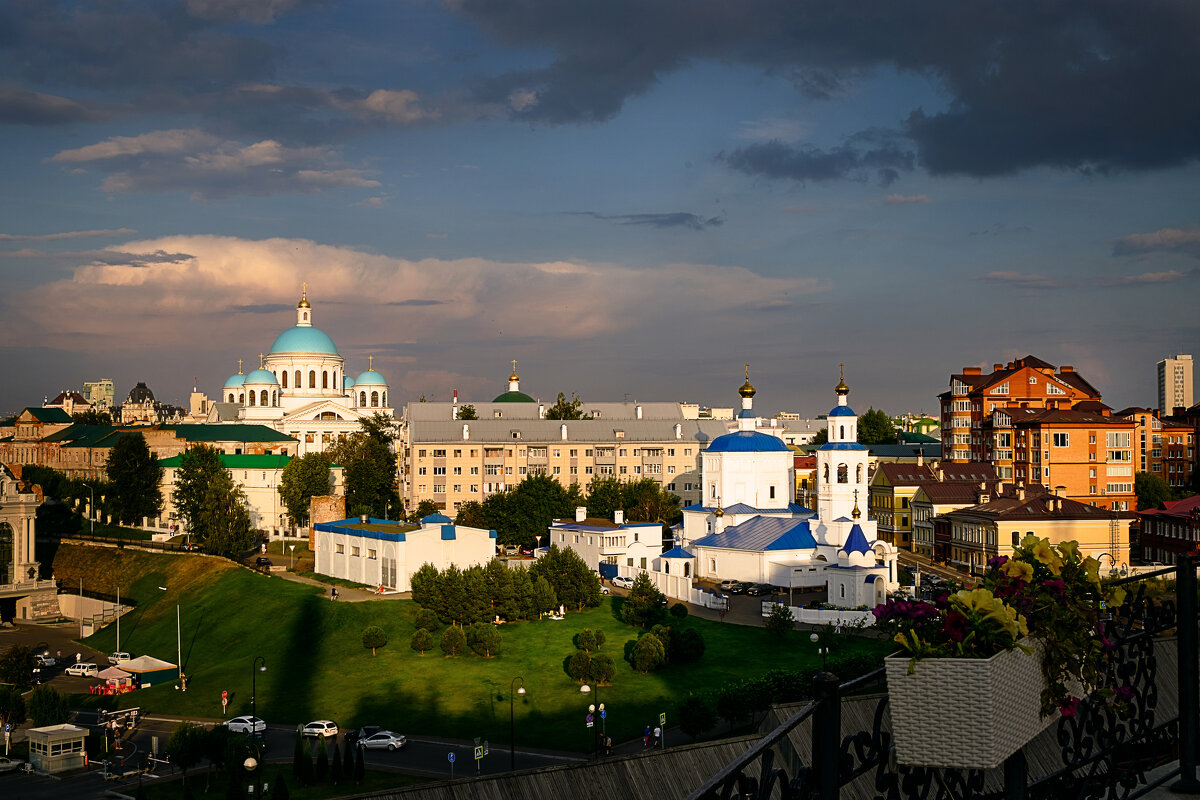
(347, 382)
(235, 381)
(747, 442)
(301, 339)
(260, 376)
(842, 411)
(436, 518)
(370, 378)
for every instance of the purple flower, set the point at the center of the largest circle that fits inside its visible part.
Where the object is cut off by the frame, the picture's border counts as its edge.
(996, 562)
(1055, 585)
(1069, 707)
(1124, 693)
(955, 626)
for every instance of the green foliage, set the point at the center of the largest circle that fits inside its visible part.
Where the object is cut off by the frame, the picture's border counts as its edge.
(322, 760)
(484, 640)
(586, 641)
(187, 746)
(368, 457)
(48, 707)
(876, 427)
(477, 603)
(92, 416)
(687, 646)
(645, 604)
(695, 715)
(604, 669)
(579, 666)
(214, 507)
(1151, 490)
(198, 465)
(427, 620)
(663, 632)
(426, 587)
(574, 583)
(470, 514)
(374, 637)
(524, 512)
(779, 622)
(544, 599)
(648, 654)
(422, 641)
(822, 437)
(453, 642)
(604, 497)
(565, 409)
(12, 706)
(16, 665)
(646, 501)
(467, 411)
(335, 765)
(425, 508)
(679, 611)
(134, 476)
(348, 762)
(299, 754)
(302, 479)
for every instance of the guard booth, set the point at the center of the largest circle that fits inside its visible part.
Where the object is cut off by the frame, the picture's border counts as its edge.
(57, 748)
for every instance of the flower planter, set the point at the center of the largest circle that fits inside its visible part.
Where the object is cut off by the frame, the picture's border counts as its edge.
(969, 713)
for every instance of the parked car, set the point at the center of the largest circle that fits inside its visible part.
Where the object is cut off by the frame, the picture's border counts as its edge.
(44, 661)
(84, 670)
(604, 590)
(384, 740)
(759, 589)
(739, 587)
(262, 561)
(510, 550)
(727, 585)
(118, 657)
(353, 737)
(622, 582)
(321, 727)
(245, 725)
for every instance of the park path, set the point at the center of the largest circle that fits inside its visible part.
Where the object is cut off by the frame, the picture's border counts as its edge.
(345, 593)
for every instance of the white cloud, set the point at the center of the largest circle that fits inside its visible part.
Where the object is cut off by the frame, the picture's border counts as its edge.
(52, 237)
(177, 141)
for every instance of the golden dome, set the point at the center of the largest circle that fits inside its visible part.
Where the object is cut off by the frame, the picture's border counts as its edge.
(514, 376)
(303, 296)
(841, 389)
(747, 389)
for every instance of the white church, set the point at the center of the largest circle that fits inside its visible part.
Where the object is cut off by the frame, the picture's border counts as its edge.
(301, 388)
(748, 528)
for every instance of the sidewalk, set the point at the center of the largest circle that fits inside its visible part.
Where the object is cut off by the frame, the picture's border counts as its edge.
(345, 593)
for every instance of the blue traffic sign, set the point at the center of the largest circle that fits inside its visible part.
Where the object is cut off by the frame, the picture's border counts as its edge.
(603, 713)
(590, 718)
(450, 757)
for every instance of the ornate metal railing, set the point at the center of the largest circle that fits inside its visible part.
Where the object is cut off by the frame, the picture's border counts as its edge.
(1106, 750)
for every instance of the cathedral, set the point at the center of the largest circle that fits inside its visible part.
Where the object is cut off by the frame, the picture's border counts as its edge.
(748, 527)
(301, 388)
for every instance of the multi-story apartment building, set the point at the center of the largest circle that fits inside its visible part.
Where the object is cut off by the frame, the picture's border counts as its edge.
(1174, 383)
(1170, 530)
(1027, 382)
(895, 484)
(1167, 447)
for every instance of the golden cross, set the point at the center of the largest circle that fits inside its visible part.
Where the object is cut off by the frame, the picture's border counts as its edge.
(304, 289)
(260, 360)
(370, 362)
(239, 366)
(841, 370)
(514, 365)
(747, 370)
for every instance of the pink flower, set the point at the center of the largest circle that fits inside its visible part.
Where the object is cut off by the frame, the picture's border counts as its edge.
(1055, 585)
(1069, 707)
(1124, 692)
(955, 626)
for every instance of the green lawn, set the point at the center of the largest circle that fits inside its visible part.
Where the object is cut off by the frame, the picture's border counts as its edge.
(317, 667)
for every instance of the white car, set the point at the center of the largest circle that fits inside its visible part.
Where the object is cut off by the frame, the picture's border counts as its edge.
(245, 725)
(321, 727)
(118, 657)
(384, 740)
(84, 670)
(622, 582)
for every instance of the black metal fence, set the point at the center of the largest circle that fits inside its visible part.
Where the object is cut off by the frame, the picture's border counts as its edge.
(1104, 751)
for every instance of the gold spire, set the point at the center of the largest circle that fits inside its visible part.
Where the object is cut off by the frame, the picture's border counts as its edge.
(304, 296)
(514, 376)
(856, 513)
(370, 363)
(260, 360)
(842, 388)
(239, 366)
(747, 389)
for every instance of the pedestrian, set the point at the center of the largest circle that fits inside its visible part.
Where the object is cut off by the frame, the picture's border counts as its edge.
(58, 654)
(837, 628)
(657, 736)
(78, 657)
(335, 593)
(646, 738)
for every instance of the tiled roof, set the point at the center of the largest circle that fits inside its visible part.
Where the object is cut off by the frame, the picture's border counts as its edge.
(1039, 507)
(759, 533)
(743, 508)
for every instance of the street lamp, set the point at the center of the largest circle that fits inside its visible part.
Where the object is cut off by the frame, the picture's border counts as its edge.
(254, 670)
(512, 725)
(251, 763)
(91, 509)
(824, 651)
(597, 708)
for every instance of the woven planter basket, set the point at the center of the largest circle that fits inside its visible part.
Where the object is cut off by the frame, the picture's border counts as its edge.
(969, 713)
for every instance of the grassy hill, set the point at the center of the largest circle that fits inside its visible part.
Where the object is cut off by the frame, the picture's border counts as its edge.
(317, 667)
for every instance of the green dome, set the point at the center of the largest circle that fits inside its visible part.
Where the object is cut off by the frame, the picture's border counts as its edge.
(514, 397)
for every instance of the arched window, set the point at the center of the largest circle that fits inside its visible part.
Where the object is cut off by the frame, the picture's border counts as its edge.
(306, 316)
(336, 385)
(826, 473)
(274, 398)
(362, 399)
(374, 399)
(843, 473)
(231, 397)
(687, 569)
(841, 431)
(324, 379)
(298, 383)
(858, 474)
(385, 399)
(666, 566)
(312, 379)
(263, 401)
(285, 379)
(242, 398)
(252, 398)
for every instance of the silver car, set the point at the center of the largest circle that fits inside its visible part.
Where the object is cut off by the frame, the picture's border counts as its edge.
(384, 740)
(245, 725)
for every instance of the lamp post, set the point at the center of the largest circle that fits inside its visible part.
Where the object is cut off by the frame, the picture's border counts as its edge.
(512, 725)
(251, 764)
(824, 651)
(593, 709)
(254, 670)
(91, 509)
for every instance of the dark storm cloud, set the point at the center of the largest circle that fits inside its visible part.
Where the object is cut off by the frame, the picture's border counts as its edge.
(677, 219)
(866, 153)
(21, 107)
(1092, 85)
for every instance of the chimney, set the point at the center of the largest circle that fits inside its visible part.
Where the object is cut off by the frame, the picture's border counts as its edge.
(541, 410)
(580, 513)
(997, 367)
(562, 431)
(637, 411)
(920, 457)
(1065, 368)
(619, 516)
(1021, 493)
(456, 397)
(466, 431)
(940, 474)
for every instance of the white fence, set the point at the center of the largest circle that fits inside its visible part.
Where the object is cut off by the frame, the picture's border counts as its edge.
(846, 617)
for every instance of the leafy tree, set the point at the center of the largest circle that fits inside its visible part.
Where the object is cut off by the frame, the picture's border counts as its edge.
(470, 514)
(644, 604)
(224, 522)
(322, 760)
(186, 746)
(1151, 490)
(732, 704)
(679, 611)
(368, 457)
(16, 665)
(574, 583)
(603, 669)
(453, 642)
(687, 646)
(565, 409)
(453, 596)
(424, 509)
(373, 638)
(646, 501)
(695, 715)
(216, 746)
(525, 512)
(198, 465)
(876, 427)
(301, 480)
(134, 476)
(426, 586)
(586, 641)
(544, 599)
(579, 666)
(92, 416)
(518, 602)
(12, 706)
(467, 411)
(421, 641)
(780, 621)
(48, 707)
(822, 437)
(497, 588)
(484, 640)
(648, 654)
(604, 497)
(476, 603)
(427, 620)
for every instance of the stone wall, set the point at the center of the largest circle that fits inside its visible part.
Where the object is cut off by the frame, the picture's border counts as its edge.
(328, 508)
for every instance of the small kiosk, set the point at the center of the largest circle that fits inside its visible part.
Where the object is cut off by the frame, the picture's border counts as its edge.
(116, 681)
(57, 748)
(150, 671)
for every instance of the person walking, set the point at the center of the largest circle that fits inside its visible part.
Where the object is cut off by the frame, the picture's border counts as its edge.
(646, 738)
(657, 736)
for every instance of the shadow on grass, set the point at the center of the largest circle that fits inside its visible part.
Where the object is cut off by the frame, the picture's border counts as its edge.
(301, 662)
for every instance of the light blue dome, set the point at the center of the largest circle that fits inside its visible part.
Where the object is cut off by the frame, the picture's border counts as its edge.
(235, 381)
(302, 339)
(747, 442)
(261, 376)
(347, 382)
(370, 378)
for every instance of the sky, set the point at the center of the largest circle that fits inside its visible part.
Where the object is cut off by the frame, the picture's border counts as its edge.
(632, 198)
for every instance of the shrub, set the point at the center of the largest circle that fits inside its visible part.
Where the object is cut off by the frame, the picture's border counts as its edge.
(663, 632)
(679, 611)
(644, 604)
(579, 666)
(648, 654)
(422, 641)
(453, 641)
(427, 620)
(586, 641)
(484, 640)
(780, 621)
(374, 637)
(322, 760)
(48, 707)
(604, 669)
(687, 646)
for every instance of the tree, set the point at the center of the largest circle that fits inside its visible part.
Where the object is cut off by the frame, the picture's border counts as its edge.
(876, 427)
(1151, 490)
(467, 411)
(198, 465)
(348, 762)
(579, 666)
(470, 514)
(603, 668)
(322, 760)
(216, 747)
(695, 715)
(565, 409)
(646, 501)
(453, 642)
(359, 768)
(301, 480)
(648, 654)
(477, 606)
(368, 457)
(427, 620)
(426, 586)
(373, 638)
(421, 641)
(679, 611)
(281, 791)
(48, 707)
(12, 706)
(186, 746)
(528, 509)
(424, 509)
(586, 641)
(335, 765)
(544, 599)
(822, 437)
(574, 583)
(687, 646)
(92, 416)
(16, 665)
(224, 522)
(604, 497)
(484, 640)
(644, 604)
(134, 476)
(780, 621)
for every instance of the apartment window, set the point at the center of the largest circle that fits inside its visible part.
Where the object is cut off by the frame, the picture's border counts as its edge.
(1119, 488)
(458, 470)
(474, 470)
(1062, 440)
(439, 470)
(1116, 439)
(439, 488)
(587, 470)
(457, 487)
(1045, 472)
(1092, 439)
(670, 451)
(558, 470)
(458, 453)
(574, 470)
(439, 453)
(643, 562)
(421, 454)
(573, 453)
(421, 471)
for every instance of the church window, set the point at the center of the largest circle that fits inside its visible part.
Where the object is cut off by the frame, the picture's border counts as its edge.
(385, 399)
(858, 474)
(841, 431)
(306, 316)
(274, 398)
(312, 379)
(374, 399)
(843, 473)
(666, 566)
(298, 383)
(826, 473)
(324, 379)
(284, 379)
(231, 397)
(263, 395)
(772, 494)
(252, 398)
(362, 398)
(242, 399)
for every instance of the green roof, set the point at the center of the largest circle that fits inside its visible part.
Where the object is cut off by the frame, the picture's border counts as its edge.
(514, 397)
(79, 435)
(240, 461)
(227, 433)
(49, 415)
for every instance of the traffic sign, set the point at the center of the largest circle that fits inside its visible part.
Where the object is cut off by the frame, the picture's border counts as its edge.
(450, 757)
(662, 719)
(590, 720)
(603, 713)
(479, 752)
(485, 747)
